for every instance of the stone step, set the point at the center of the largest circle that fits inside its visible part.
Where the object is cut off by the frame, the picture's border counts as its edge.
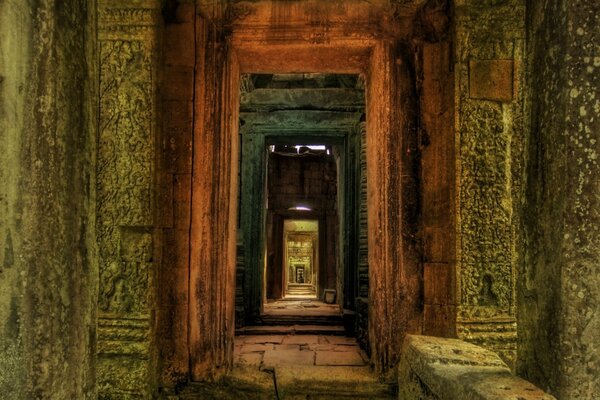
(291, 319)
(337, 330)
(292, 382)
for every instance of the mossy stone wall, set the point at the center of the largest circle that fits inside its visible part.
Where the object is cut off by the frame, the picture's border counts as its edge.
(559, 279)
(48, 264)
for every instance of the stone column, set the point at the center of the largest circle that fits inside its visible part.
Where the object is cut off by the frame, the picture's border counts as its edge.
(126, 200)
(394, 268)
(214, 204)
(48, 267)
(559, 284)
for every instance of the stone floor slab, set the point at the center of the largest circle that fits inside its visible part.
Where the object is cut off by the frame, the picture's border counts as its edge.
(274, 358)
(301, 339)
(249, 359)
(341, 358)
(342, 340)
(253, 348)
(276, 339)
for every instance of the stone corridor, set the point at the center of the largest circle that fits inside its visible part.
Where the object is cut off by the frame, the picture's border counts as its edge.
(172, 170)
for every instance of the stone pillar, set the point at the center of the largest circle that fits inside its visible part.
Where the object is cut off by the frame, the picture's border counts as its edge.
(489, 101)
(559, 284)
(175, 190)
(438, 215)
(252, 200)
(214, 204)
(48, 267)
(394, 268)
(126, 201)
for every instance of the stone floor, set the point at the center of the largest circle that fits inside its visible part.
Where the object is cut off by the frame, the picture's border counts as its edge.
(269, 351)
(294, 367)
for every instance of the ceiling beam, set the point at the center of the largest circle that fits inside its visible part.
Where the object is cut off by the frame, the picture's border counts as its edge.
(294, 99)
(297, 121)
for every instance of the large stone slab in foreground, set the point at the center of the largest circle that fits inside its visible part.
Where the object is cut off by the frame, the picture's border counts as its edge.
(435, 368)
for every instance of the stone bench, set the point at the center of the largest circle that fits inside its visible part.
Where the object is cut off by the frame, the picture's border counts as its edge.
(435, 368)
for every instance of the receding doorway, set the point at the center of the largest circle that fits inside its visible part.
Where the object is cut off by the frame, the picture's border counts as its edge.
(301, 258)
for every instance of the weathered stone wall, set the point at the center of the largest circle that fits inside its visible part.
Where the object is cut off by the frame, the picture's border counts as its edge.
(48, 271)
(126, 201)
(559, 284)
(488, 75)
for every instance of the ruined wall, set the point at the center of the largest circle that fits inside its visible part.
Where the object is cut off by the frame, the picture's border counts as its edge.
(559, 284)
(48, 271)
(126, 201)
(488, 77)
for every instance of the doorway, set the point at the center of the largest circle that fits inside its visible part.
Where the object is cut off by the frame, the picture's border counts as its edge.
(300, 160)
(392, 159)
(301, 258)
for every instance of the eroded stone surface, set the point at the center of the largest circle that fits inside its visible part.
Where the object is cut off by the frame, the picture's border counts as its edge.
(126, 197)
(437, 368)
(559, 285)
(48, 253)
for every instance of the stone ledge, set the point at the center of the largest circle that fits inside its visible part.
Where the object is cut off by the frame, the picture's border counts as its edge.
(435, 368)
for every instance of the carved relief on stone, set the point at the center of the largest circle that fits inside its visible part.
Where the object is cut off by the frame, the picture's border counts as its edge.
(485, 198)
(124, 287)
(125, 194)
(125, 153)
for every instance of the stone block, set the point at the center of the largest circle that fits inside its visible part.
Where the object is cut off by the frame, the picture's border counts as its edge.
(433, 368)
(437, 282)
(275, 339)
(164, 201)
(273, 358)
(249, 359)
(179, 83)
(326, 382)
(341, 340)
(491, 80)
(182, 192)
(301, 339)
(177, 136)
(255, 347)
(179, 44)
(439, 320)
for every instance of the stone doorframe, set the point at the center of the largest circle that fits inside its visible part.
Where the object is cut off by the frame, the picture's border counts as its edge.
(393, 259)
(256, 136)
